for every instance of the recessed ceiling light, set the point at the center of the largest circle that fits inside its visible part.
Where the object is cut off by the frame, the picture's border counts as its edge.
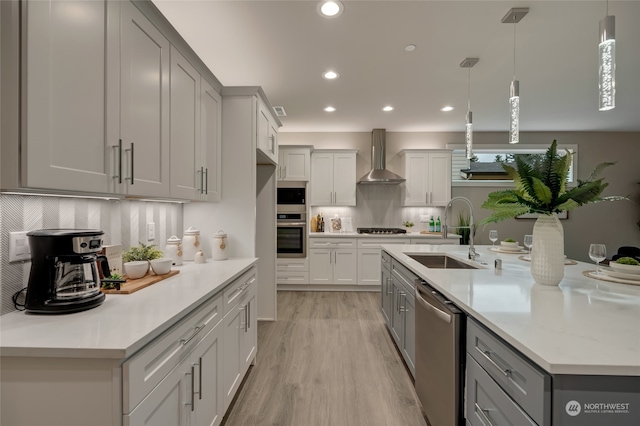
(410, 47)
(330, 8)
(329, 109)
(387, 108)
(330, 75)
(447, 108)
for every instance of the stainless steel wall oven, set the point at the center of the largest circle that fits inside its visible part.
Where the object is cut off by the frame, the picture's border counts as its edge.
(292, 219)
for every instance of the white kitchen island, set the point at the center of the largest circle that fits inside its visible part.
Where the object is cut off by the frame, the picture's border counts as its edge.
(176, 350)
(584, 334)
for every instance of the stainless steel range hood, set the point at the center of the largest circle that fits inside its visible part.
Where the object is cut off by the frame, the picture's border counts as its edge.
(379, 175)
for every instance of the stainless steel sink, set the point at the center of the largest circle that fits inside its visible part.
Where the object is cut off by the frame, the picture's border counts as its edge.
(441, 261)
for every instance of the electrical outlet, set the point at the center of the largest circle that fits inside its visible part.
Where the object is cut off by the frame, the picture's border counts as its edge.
(424, 218)
(19, 246)
(151, 231)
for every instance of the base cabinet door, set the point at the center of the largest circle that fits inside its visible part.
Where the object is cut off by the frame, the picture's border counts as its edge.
(387, 295)
(333, 266)
(396, 315)
(369, 266)
(321, 266)
(233, 329)
(208, 401)
(166, 404)
(345, 267)
(409, 332)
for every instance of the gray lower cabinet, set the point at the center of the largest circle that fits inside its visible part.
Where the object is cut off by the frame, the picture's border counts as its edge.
(403, 316)
(503, 387)
(487, 403)
(386, 290)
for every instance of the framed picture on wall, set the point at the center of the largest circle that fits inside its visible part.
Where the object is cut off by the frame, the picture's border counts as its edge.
(562, 215)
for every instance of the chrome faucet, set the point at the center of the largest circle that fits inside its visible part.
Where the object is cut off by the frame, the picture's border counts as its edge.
(472, 251)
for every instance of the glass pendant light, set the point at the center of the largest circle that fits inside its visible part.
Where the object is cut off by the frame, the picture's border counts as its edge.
(607, 62)
(514, 16)
(468, 135)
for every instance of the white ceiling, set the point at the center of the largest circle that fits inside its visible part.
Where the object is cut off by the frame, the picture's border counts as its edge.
(285, 46)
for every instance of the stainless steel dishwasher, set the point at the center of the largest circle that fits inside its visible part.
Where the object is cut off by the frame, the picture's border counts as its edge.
(439, 357)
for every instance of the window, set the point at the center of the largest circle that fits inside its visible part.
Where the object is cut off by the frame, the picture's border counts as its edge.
(485, 169)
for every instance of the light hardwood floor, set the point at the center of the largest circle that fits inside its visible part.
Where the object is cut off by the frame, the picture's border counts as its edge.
(327, 360)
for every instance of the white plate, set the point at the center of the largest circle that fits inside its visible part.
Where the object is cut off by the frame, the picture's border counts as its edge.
(628, 269)
(502, 249)
(616, 274)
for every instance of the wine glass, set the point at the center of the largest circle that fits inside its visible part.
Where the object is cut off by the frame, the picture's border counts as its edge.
(597, 253)
(493, 236)
(528, 242)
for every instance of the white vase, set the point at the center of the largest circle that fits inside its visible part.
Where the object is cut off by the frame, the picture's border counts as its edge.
(547, 255)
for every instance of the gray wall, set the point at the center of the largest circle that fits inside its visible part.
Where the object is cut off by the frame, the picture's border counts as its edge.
(123, 222)
(613, 224)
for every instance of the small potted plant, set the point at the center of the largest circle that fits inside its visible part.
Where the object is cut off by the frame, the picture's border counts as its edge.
(408, 224)
(137, 260)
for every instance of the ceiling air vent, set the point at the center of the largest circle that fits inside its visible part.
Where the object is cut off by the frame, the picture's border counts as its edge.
(280, 112)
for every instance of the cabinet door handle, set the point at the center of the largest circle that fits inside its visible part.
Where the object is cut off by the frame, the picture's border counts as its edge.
(483, 413)
(119, 158)
(249, 314)
(487, 355)
(132, 150)
(193, 394)
(206, 180)
(284, 172)
(200, 377)
(388, 282)
(402, 306)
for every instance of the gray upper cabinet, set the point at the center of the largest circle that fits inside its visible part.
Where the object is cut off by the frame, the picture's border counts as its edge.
(67, 95)
(210, 142)
(185, 126)
(195, 133)
(95, 103)
(144, 105)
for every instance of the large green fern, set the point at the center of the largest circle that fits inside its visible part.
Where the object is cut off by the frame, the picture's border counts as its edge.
(540, 187)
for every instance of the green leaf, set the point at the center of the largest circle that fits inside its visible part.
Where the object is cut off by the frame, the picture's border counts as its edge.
(542, 191)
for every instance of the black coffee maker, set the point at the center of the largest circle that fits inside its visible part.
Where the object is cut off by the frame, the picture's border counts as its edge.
(64, 275)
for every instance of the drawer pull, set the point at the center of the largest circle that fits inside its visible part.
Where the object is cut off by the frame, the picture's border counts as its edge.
(483, 413)
(487, 355)
(186, 341)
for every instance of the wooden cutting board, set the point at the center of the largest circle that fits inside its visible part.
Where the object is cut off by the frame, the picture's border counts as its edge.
(131, 286)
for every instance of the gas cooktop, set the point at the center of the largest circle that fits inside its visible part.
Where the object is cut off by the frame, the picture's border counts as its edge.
(381, 231)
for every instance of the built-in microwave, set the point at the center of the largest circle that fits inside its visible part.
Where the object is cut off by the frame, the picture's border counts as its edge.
(291, 194)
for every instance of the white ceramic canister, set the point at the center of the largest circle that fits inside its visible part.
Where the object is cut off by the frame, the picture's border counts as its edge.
(190, 243)
(173, 249)
(219, 251)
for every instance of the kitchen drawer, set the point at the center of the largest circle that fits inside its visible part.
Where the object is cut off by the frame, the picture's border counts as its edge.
(142, 372)
(293, 265)
(521, 380)
(369, 243)
(386, 260)
(488, 404)
(289, 277)
(335, 242)
(232, 294)
(403, 275)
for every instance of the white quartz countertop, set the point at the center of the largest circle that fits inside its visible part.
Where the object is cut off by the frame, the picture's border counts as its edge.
(583, 326)
(123, 323)
(414, 234)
